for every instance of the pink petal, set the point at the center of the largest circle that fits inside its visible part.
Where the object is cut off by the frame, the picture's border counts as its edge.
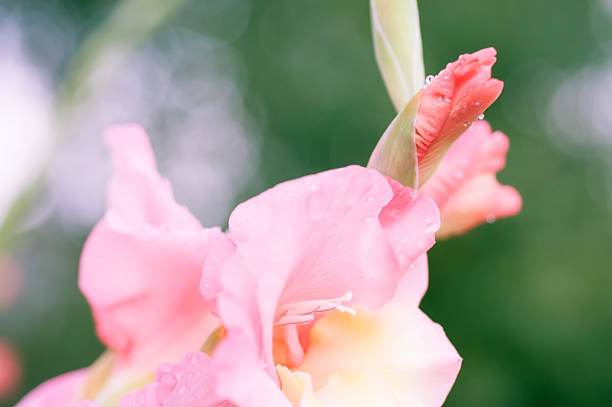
(306, 241)
(357, 389)
(137, 194)
(409, 224)
(464, 185)
(189, 383)
(397, 343)
(413, 284)
(141, 266)
(451, 103)
(61, 391)
(10, 370)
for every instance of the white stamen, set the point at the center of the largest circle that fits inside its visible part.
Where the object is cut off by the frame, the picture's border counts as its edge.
(302, 312)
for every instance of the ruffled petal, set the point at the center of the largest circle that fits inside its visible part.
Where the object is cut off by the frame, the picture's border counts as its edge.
(357, 389)
(189, 383)
(410, 224)
(321, 235)
(297, 386)
(451, 103)
(141, 268)
(413, 284)
(464, 185)
(397, 344)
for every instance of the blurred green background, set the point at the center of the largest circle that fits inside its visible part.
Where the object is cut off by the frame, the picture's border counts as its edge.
(272, 90)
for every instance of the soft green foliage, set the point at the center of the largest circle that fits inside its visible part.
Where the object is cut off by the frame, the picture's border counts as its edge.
(129, 23)
(525, 300)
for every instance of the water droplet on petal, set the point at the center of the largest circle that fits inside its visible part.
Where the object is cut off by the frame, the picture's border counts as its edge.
(369, 220)
(431, 228)
(481, 116)
(490, 218)
(459, 174)
(315, 206)
(168, 379)
(429, 79)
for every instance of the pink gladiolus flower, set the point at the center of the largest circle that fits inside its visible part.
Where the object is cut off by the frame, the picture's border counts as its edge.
(464, 185)
(451, 103)
(301, 255)
(323, 243)
(10, 370)
(141, 266)
(140, 271)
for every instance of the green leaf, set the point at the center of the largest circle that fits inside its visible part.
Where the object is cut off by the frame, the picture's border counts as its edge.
(395, 154)
(398, 48)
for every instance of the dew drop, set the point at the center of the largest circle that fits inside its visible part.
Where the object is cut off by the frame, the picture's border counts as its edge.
(430, 228)
(168, 379)
(315, 206)
(429, 79)
(459, 174)
(481, 116)
(490, 218)
(369, 220)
